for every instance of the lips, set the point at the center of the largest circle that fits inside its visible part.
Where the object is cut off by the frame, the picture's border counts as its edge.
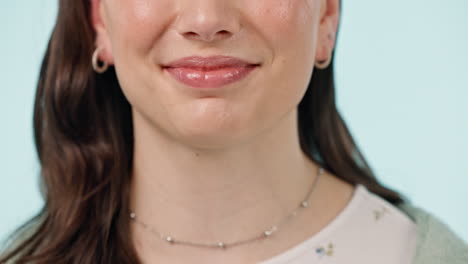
(210, 72)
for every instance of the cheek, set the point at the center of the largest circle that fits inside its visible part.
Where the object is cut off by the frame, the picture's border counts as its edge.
(290, 27)
(292, 18)
(139, 23)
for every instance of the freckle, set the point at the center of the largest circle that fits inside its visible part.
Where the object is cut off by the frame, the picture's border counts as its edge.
(284, 9)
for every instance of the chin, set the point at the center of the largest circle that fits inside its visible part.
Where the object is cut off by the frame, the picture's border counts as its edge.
(212, 137)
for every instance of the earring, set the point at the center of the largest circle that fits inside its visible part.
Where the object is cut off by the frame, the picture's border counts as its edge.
(321, 65)
(95, 62)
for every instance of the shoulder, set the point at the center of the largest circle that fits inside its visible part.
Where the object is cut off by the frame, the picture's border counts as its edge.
(437, 243)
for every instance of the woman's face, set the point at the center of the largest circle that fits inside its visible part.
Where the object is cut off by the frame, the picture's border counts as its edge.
(283, 37)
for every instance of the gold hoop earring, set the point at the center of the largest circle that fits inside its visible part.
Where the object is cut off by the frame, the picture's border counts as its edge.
(95, 62)
(321, 65)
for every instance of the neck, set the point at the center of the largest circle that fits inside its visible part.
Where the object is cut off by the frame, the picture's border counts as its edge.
(229, 194)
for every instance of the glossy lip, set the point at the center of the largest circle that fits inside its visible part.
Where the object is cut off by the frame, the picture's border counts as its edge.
(211, 62)
(209, 72)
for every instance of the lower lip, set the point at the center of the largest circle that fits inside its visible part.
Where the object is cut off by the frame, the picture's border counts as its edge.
(212, 78)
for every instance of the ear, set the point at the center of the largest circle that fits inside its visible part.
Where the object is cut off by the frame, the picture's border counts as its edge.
(102, 34)
(328, 27)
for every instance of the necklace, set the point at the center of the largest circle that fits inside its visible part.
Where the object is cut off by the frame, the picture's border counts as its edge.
(223, 245)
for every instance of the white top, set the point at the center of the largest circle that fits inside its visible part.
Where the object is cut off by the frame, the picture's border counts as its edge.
(368, 230)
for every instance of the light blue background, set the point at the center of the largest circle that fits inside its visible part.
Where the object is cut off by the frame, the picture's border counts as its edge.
(402, 87)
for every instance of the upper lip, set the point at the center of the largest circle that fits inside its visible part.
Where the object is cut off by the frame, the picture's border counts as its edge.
(211, 62)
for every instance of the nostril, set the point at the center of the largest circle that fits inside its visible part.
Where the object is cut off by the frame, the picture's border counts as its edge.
(224, 33)
(191, 34)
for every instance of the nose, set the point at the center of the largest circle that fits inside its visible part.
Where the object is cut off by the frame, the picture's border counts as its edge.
(207, 20)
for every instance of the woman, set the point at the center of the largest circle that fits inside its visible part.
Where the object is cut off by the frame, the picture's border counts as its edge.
(190, 131)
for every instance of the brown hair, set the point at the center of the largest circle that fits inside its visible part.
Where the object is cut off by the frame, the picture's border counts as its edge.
(84, 140)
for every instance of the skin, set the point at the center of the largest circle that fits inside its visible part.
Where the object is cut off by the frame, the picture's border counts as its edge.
(222, 165)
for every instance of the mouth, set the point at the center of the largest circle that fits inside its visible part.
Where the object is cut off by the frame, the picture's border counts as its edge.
(213, 77)
(212, 72)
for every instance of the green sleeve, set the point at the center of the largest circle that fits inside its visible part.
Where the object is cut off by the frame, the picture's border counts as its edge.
(437, 243)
